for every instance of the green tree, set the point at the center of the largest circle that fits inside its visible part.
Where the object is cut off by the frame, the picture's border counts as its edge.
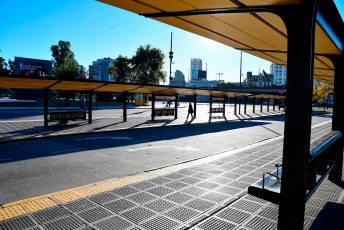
(11, 66)
(321, 91)
(62, 53)
(3, 67)
(147, 66)
(121, 70)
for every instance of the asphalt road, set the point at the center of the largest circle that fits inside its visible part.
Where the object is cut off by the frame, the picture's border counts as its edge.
(39, 167)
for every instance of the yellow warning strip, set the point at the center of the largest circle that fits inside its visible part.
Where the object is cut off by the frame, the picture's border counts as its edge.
(30, 205)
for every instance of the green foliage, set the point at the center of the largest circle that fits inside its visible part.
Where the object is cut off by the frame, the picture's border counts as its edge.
(145, 67)
(3, 67)
(62, 53)
(226, 85)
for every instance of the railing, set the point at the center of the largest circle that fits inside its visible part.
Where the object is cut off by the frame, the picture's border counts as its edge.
(323, 157)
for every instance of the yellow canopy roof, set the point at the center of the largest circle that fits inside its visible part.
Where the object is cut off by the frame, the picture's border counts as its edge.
(261, 34)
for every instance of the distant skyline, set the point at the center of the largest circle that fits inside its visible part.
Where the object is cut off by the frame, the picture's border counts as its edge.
(97, 30)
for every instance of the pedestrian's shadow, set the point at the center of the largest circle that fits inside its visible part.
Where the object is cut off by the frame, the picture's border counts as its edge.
(189, 122)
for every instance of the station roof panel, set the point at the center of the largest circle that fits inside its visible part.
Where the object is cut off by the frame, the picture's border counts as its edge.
(261, 34)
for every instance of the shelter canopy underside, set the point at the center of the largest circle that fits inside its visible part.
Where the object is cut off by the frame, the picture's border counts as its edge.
(262, 34)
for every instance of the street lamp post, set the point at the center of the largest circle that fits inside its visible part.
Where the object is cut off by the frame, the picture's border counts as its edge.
(219, 76)
(171, 57)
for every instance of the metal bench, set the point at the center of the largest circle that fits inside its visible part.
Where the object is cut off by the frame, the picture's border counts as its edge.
(322, 159)
(64, 116)
(163, 112)
(217, 110)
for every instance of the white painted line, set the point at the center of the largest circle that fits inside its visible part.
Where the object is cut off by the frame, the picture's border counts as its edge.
(6, 159)
(94, 138)
(163, 147)
(69, 150)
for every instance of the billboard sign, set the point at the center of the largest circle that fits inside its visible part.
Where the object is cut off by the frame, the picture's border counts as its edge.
(32, 67)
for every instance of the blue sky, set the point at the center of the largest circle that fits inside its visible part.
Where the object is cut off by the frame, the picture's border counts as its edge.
(96, 30)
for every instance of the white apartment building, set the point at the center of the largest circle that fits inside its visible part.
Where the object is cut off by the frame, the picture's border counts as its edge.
(280, 74)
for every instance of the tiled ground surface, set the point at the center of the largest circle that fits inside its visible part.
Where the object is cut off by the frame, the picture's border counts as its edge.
(208, 196)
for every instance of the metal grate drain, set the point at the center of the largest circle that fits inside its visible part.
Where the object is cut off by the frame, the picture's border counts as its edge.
(160, 205)
(143, 185)
(138, 215)
(160, 180)
(124, 191)
(179, 197)
(104, 198)
(233, 215)
(176, 185)
(95, 214)
(195, 191)
(259, 223)
(190, 180)
(269, 212)
(229, 190)
(200, 204)
(246, 205)
(214, 223)
(141, 197)
(159, 223)
(70, 222)
(119, 205)
(208, 185)
(160, 191)
(22, 222)
(182, 214)
(79, 205)
(111, 222)
(50, 214)
(216, 197)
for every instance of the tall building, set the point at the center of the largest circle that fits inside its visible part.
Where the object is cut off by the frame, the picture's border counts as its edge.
(280, 74)
(179, 78)
(99, 70)
(196, 65)
(260, 80)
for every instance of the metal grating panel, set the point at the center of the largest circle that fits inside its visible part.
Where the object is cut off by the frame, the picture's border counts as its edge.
(233, 215)
(208, 185)
(203, 175)
(216, 197)
(50, 214)
(195, 191)
(176, 185)
(215, 172)
(187, 172)
(138, 215)
(79, 205)
(200, 204)
(182, 214)
(312, 211)
(108, 224)
(190, 180)
(317, 202)
(220, 180)
(95, 214)
(269, 212)
(124, 191)
(307, 223)
(160, 205)
(119, 205)
(214, 223)
(179, 197)
(229, 190)
(39, 228)
(159, 223)
(22, 222)
(70, 222)
(160, 180)
(327, 196)
(248, 179)
(246, 205)
(231, 175)
(239, 184)
(247, 167)
(175, 176)
(104, 198)
(143, 185)
(255, 199)
(160, 191)
(141, 197)
(259, 223)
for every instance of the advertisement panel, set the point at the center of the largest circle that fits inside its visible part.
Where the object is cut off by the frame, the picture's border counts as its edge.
(32, 67)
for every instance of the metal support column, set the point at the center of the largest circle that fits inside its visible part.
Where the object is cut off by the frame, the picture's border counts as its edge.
(195, 105)
(338, 113)
(153, 106)
(125, 107)
(261, 104)
(274, 105)
(210, 105)
(45, 107)
(268, 108)
(297, 131)
(254, 104)
(235, 105)
(90, 107)
(224, 106)
(176, 107)
(239, 105)
(279, 105)
(245, 100)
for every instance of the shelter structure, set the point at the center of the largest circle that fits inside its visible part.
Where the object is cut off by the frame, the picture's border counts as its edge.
(310, 45)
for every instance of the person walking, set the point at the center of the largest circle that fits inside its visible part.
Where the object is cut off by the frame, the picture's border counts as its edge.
(190, 111)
